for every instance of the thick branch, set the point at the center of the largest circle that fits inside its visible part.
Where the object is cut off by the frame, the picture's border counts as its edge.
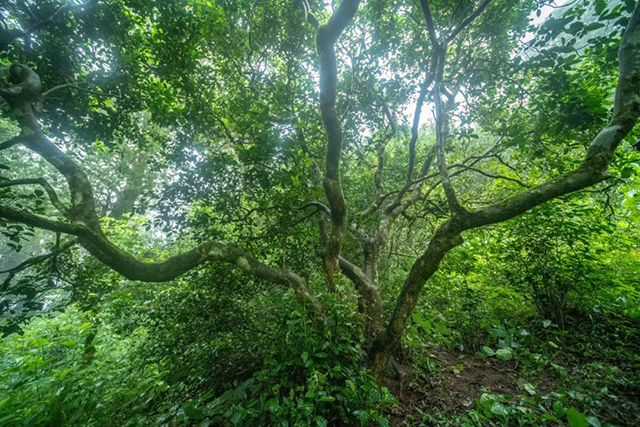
(85, 222)
(626, 112)
(431, 29)
(369, 292)
(133, 269)
(21, 101)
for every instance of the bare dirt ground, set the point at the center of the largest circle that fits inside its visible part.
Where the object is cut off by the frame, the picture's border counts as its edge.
(453, 383)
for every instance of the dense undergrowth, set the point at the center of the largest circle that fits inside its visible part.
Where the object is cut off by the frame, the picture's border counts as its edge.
(479, 351)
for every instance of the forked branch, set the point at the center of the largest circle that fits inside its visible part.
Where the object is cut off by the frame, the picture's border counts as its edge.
(84, 222)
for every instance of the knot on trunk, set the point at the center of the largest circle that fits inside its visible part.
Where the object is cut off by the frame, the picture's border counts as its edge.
(25, 86)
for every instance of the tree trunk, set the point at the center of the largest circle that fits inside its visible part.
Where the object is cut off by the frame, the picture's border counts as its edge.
(446, 238)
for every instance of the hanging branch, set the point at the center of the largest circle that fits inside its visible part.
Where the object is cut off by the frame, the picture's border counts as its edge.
(31, 262)
(53, 196)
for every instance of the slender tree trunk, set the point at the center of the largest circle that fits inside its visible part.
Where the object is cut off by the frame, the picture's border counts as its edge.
(371, 257)
(445, 239)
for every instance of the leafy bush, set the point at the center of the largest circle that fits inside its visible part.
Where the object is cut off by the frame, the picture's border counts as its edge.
(55, 374)
(306, 379)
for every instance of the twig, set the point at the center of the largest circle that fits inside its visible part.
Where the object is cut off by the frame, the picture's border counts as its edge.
(31, 262)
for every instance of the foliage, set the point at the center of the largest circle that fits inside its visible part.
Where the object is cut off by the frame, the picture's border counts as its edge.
(68, 370)
(200, 145)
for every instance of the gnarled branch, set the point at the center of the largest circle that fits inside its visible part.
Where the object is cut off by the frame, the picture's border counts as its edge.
(369, 292)
(85, 223)
(109, 254)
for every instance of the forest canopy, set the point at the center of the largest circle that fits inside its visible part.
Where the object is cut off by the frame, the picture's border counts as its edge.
(319, 213)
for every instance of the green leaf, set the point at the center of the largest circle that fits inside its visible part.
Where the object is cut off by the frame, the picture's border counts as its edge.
(576, 419)
(504, 354)
(499, 409)
(593, 26)
(593, 422)
(558, 409)
(488, 351)
(530, 388)
(600, 6)
(190, 411)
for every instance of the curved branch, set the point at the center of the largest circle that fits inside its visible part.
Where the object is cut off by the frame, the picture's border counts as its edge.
(320, 207)
(131, 268)
(85, 223)
(626, 112)
(53, 196)
(83, 206)
(369, 292)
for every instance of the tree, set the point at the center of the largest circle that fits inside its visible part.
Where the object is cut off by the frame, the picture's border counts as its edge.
(164, 67)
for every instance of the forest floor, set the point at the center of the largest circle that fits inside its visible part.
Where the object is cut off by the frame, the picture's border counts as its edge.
(450, 383)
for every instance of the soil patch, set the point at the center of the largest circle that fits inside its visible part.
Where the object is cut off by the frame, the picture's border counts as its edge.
(450, 382)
